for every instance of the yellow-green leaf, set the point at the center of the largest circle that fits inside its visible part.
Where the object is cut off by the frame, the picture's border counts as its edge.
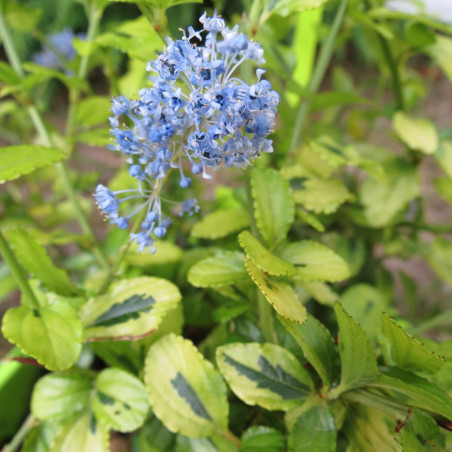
(185, 391)
(264, 374)
(84, 434)
(280, 295)
(262, 258)
(417, 134)
(16, 161)
(320, 195)
(315, 262)
(221, 223)
(52, 334)
(273, 204)
(120, 400)
(131, 308)
(224, 269)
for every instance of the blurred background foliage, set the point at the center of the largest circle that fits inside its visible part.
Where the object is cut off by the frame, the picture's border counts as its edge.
(363, 139)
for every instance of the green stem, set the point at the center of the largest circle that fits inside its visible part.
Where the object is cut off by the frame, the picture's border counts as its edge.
(318, 74)
(17, 272)
(125, 249)
(47, 140)
(112, 272)
(395, 77)
(93, 26)
(436, 228)
(232, 438)
(21, 434)
(392, 66)
(9, 46)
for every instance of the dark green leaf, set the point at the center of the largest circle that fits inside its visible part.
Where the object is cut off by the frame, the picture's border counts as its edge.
(314, 431)
(262, 439)
(34, 258)
(317, 345)
(404, 351)
(358, 360)
(418, 391)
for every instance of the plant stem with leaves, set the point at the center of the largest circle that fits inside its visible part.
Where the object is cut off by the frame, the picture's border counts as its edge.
(318, 74)
(47, 140)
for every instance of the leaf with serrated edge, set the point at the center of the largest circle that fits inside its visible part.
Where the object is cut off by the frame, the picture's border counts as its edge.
(280, 295)
(132, 308)
(421, 393)
(358, 360)
(16, 161)
(317, 345)
(406, 352)
(221, 223)
(51, 334)
(274, 206)
(120, 400)
(185, 391)
(314, 430)
(85, 434)
(315, 262)
(264, 374)
(322, 195)
(34, 258)
(263, 259)
(57, 396)
(222, 270)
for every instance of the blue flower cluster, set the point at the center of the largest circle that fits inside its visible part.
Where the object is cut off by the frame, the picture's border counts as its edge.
(196, 111)
(59, 51)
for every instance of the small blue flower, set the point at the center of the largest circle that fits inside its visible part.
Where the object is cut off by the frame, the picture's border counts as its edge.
(59, 50)
(198, 110)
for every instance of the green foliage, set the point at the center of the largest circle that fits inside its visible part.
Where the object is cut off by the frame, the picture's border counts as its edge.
(52, 334)
(37, 262)
(221, 223)
(317, 345)
(132, 308)
(280, 295)
(273, 205)
(185, 391)
(16, 161)
(291, 315)
(224, 269)
(264, 375)
(358, 360)
(314, 430)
